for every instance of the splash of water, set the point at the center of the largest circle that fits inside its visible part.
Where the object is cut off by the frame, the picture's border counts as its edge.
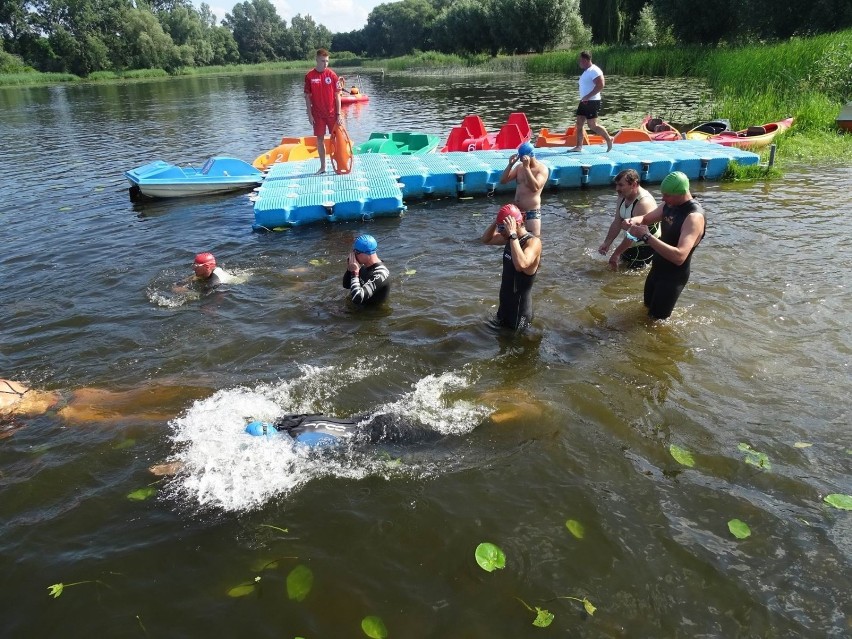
(224, 468)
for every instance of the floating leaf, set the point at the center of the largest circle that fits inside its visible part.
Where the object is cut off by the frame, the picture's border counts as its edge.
(739, 528)
(55, 590)
(490, 557)
(844, 502)
(127, 443)
(374, 627)
(575, 528)
(681, 455)
(142, 493)
(543, 618)
(802, 445)
(320, 261)
(299, 582)
(241, 591)
(755, 458)
(590, 608)
(65, 208)
(410, 271)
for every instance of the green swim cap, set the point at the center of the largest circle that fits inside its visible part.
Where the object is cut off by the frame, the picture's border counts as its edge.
(676, 183)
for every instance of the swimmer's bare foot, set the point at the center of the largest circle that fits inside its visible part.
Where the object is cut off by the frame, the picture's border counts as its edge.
(161, 470)
(576, 149)
(608, 144)
(320, 172)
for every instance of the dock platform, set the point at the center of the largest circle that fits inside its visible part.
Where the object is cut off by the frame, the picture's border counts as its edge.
(379, 185)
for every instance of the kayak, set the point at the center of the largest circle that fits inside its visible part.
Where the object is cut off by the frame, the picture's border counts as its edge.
(399, 143)
(659, 130)
(707, 129)
(754, 137)
(353, 98)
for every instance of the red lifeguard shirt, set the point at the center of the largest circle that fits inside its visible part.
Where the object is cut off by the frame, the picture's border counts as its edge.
(322, 88)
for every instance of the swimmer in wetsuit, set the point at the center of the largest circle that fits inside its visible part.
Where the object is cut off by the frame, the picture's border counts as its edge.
(633, 201)
(521, 260)
(320, 430)
(366, 276)
(683, 227)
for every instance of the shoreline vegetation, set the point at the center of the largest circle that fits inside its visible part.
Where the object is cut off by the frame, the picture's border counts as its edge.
(808, 78)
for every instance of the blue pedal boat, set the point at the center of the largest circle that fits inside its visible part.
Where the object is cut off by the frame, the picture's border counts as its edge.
(218, 175)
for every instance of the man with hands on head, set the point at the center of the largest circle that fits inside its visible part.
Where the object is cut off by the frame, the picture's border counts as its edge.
(366, 276)
(521, 259)
(531, 176)
(683, 228)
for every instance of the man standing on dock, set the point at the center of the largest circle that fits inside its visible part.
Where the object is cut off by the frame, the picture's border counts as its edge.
(322, 100)
(683, 227)
(531, 176)
(591, 84)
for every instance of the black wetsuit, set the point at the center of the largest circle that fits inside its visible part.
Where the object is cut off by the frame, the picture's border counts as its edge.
(383, 427)
(666, 279)
(515, 310)
(371, 286)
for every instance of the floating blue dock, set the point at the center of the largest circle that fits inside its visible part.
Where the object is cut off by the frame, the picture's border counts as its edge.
(292, 195)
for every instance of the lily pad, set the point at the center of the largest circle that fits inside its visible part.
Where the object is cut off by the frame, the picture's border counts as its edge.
(318, 262)
(490, 557)
(374, 627)
(681, 455)
(299, 582)
(589, 606)
(410, 271)
(739, 528)
(242, 590)
(543, 618)
(575, 528)
(754, 457)
(142, 493)
(844, 502)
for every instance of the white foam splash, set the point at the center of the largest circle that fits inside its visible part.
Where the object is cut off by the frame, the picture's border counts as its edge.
(225, 468)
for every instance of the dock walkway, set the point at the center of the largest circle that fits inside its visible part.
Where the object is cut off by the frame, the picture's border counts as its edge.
(379, 185)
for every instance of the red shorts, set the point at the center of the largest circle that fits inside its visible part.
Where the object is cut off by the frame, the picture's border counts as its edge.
(323, 123)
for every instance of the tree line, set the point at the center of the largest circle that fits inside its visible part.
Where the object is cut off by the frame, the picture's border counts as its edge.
(85, 36)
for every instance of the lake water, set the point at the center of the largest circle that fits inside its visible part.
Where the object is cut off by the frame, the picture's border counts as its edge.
(588, 402)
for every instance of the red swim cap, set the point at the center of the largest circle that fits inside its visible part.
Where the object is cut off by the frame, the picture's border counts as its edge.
(510, 210)
(205, 258)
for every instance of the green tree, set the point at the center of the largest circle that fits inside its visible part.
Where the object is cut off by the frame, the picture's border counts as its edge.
(257, 29)
(307, 37)
(223, 45)
(520, 26)
(146, 45)
(645, 32)
(399, 28)
(452, 30)
(354, 41)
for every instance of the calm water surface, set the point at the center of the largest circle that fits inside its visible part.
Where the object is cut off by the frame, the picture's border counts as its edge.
(756, 353)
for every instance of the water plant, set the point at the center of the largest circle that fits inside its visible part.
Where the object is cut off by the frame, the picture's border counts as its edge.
(739, 528)
(490, 557)
(575, 528)
(56, 590)
(374, 627)
(681, 455)
(543, 618)
(843, 502)
(754, 457)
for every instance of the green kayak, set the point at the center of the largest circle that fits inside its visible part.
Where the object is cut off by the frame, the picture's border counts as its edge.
(399, 143)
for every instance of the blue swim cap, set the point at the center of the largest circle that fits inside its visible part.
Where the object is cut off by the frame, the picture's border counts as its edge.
(365, 244)
(526, 149)
(259, 429)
